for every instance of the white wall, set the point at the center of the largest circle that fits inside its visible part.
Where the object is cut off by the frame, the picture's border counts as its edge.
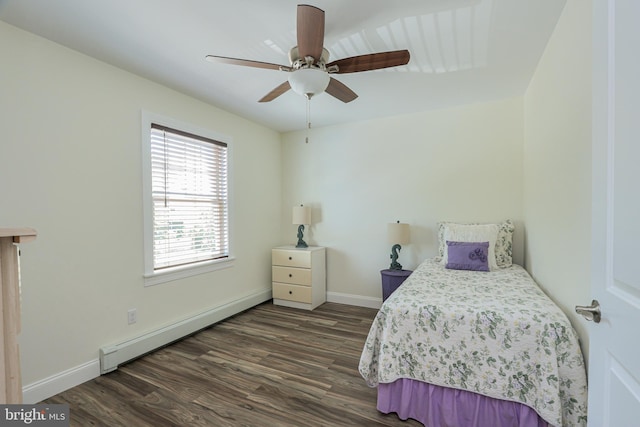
(460, 164)
(70, 166)
(557, 165)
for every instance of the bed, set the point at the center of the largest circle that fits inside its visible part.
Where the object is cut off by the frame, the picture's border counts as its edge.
(460, 347)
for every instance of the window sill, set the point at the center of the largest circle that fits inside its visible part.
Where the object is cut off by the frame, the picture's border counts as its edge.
(178, 273)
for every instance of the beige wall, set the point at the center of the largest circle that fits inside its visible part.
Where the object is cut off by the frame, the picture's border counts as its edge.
(70, 155)
(557, 165)
(459, 164)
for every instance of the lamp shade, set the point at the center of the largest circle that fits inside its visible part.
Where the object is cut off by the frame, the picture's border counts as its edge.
(309, 81)
(398, 233)
(301, 215)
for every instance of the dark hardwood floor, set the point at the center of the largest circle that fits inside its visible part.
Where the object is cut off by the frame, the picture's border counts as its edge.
(268, 366)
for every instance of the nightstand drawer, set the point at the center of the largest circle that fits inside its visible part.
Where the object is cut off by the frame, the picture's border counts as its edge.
(292, 292)
(291, 258)
(298, 276)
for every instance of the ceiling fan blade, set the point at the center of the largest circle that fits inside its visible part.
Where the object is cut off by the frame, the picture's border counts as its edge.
(310, 28)
(372, 61)
(276, 92)
(340, 90)
(246, 63)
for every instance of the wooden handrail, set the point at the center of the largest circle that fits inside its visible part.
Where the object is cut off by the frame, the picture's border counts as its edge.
(19, 234)
(11, 389)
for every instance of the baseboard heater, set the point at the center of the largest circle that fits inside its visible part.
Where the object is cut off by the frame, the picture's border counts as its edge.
(116, 354)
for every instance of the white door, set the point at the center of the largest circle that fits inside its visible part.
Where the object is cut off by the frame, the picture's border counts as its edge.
(614, 355)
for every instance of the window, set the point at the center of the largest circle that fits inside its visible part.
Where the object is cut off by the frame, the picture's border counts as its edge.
(186, 192)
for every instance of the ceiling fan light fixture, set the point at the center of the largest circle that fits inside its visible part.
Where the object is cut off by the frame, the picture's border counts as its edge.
(309, 81)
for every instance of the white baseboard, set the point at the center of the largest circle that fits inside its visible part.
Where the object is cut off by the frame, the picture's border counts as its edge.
(115, 354)
(130, 349)
(43, 389)
(357, 300)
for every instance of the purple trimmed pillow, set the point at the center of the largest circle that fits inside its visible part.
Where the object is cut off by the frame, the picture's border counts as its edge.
(468, 256)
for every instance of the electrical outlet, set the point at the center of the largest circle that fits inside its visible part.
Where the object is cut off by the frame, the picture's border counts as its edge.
(132, 316)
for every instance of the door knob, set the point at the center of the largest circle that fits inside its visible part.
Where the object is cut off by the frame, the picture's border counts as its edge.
(590, 312)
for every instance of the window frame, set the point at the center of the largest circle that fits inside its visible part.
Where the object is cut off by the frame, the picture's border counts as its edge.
(152, 276)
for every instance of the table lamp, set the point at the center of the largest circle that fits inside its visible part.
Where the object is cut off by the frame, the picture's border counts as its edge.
(301, 215)
(398, 234)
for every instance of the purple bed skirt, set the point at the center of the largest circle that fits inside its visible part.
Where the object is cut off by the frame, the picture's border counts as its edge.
(436, 406)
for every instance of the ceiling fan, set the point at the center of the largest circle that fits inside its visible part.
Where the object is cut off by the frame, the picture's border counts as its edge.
(309, 67)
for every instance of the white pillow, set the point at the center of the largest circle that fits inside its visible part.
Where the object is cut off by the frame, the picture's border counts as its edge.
(472, 233)
(504, 243)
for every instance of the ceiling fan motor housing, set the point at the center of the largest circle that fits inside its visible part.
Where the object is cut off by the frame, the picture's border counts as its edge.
(297, 62)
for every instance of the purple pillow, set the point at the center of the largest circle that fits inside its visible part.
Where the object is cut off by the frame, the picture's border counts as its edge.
(468, 256)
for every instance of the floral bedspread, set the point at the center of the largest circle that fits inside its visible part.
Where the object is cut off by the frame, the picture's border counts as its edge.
(494, 333)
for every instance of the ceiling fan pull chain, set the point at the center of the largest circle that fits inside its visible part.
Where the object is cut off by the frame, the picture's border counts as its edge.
(306, 140)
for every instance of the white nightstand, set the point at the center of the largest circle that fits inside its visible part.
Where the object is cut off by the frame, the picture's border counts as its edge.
(299, 276)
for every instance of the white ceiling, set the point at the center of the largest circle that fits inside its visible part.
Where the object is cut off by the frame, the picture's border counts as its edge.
(462, 51)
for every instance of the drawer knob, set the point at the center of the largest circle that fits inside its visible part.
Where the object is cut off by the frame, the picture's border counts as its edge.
(290, 292)
(290, 275)
(290, 258)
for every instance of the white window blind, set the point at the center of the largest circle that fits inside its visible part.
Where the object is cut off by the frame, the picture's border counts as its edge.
(189, 190)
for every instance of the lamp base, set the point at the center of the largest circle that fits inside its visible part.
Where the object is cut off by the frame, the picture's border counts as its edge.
(395, 265)
(301, 243)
